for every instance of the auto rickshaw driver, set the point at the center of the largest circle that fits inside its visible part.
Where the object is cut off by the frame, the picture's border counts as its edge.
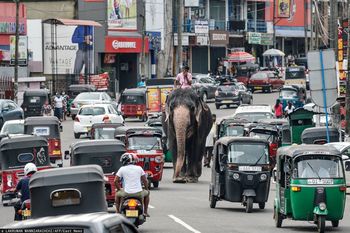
(131, 176)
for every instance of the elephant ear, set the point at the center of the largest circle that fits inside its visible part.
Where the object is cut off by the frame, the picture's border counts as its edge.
(200, 107)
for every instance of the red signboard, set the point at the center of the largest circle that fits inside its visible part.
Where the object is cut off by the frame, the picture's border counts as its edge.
(125, 44)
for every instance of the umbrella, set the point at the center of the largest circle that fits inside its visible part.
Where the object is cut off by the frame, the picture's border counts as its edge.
(240, 57)
(273, 52)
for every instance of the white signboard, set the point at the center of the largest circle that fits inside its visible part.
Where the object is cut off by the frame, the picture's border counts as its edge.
(201, 27)
(185, 40)
(22, 49)
(191, 3)
(202, 40)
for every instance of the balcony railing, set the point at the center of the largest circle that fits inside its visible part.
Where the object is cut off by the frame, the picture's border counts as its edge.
(256, 26)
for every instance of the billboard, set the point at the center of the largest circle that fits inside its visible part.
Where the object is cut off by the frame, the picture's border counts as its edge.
(22, 50)
(283, 8)
(122, 14)
(74, 49)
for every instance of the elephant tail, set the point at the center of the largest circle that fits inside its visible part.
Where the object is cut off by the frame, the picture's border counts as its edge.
(181, 121)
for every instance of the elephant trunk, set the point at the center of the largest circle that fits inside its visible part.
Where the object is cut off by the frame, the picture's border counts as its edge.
(181, 120)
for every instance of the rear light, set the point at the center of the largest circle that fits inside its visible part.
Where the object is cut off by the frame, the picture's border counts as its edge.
(296, 189)
(56, 144)
(342, 188)
(76, 119)
(132, 203)
(216, 93)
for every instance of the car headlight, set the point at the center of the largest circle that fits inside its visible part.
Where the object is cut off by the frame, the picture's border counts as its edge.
(322, 206)
(235, 176)
(263, 177)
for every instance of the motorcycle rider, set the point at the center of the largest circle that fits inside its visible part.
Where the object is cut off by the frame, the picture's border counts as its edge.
(132, 176)
(23, 187)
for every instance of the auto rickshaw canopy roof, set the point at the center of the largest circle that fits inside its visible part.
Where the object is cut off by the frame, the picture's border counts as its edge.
(38, 120)
(22, 141)
(106, 125)
(123, 130)
(135, 91)
(266, 128)
(229, 140)
(274, 121)
(301, 113)
(97, 146)
(297, 150)
(37, 92)
(82, 87)
(312, 134)
(232, 120)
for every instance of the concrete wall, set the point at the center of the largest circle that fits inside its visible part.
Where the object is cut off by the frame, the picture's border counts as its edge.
(50, 9)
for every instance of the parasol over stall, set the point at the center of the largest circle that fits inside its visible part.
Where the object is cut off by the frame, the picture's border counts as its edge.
(273, 52)
(239, 57)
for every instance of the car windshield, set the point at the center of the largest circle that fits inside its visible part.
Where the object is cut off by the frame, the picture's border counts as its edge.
(248, 153)
(144, 143)
(267, 136)
(259, 76)
(104, 133)
(288, 93)
(12, 128)
(88, 96)
(254, 116)
(234, 131)
(227, 88)
(319, 167)
(91, 111)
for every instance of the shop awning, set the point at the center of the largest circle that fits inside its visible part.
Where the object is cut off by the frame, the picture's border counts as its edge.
(73, 22)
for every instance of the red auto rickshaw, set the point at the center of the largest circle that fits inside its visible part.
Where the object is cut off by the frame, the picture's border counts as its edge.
(245, 71)
(146, 143)
(105, 153)
(134, 103)
(15, 153)
(270, 134)
(49, 128)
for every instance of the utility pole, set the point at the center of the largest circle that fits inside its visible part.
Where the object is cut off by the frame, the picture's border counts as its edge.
(15, 84)
(274, 24)
(143, 31)
(180, 18)
(311, 26)
(347, 95)
(305, 26)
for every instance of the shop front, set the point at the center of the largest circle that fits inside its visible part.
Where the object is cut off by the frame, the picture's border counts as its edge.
(122, 55)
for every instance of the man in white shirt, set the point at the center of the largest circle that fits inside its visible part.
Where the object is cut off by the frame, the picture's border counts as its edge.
(131, 176)
(58, 101)
(289, 108)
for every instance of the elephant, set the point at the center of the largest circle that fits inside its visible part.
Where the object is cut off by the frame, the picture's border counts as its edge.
(186, 122)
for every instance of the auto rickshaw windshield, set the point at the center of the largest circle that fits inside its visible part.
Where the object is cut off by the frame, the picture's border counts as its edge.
(318, 167)
(139, 142)
(288, 93)
(248, 153)
(235, 131)
(104, 133)
(267, 136)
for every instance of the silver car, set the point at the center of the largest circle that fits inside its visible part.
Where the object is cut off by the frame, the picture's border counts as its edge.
(89, 98)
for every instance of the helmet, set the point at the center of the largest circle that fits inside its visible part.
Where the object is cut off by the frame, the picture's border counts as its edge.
(30, 168)
(128, 158)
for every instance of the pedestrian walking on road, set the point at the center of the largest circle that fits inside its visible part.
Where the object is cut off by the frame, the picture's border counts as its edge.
(58, 103)
(278, 109)
(46, 109)
(183, 79)
(65, 104)
(209, 144)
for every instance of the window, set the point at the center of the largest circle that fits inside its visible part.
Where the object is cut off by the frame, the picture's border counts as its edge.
(248, 153)
(65, 197)
(144, 143)
(41, 131)
(25, 157)
(319, 167)
(235, 9)
(92, 111)
(11, 105)
(88, 96)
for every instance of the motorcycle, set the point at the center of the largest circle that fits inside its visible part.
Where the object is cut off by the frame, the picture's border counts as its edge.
(132, 209)
(22, 209)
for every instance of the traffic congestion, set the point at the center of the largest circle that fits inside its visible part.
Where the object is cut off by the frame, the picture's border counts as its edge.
(166, 157)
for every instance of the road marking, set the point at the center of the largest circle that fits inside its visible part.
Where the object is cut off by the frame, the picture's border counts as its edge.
(151, 206)
(188, 227)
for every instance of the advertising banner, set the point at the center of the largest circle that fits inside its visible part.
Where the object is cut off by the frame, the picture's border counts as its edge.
(283, 9)
(122, 14)
(125, 44)
(22, 50)
(153, 99)
(219, 37)
(74, 49)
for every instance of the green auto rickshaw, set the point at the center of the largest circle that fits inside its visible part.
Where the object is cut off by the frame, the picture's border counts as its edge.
(299, 120)
(231, 127)
(310, 185)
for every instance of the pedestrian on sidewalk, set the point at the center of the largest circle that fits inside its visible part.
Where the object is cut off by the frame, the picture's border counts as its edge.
(209, 144)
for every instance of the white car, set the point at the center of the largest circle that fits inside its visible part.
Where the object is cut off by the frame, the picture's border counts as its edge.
(254, 112)
(95, 113)
(12, 127)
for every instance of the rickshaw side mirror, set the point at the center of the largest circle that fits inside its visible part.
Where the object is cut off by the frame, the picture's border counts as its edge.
(66, 154)
(347, 166)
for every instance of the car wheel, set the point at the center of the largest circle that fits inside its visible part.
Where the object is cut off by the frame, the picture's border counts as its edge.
(217, 106)
(227, 106)
(205, 97)
(269, 89)
(335, 223)
(262, 205)
(76, 135)
(251, 101)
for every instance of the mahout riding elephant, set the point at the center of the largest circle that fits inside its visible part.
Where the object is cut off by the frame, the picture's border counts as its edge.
(187, 122)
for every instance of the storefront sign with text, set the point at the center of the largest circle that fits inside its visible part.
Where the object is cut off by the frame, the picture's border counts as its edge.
(125, 45)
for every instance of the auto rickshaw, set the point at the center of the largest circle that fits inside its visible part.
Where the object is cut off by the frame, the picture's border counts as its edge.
(231, 127)
(76, 89)
(48, 127)
(299, 120)
(310, 185)
(270, 134)
(15, 153)
(278, 123)
(318, 135)
(105, 153)
(245, 71)
(146, 143)
(295, 75)
(133, 103)
(104, 130)
(33, 101)
(294, 93)
(240, 172)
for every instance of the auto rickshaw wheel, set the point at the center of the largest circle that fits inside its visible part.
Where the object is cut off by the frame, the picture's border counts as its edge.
(249, 205)
(155, 184)
(335, 223)
(76, 135)
(212, 200)
(261, 205)
(321, 223)
(278, 218)
(217, 106)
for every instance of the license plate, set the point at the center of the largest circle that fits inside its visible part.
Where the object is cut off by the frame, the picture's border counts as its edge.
(226, 101)
(249, 168)
(27, 213)
(257, 88)
(132, 213)
(320, 181)
(56, 152)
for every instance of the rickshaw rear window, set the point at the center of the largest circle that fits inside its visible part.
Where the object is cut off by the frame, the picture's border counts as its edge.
(104, 133)
(287, 93)
(318, 167)
(88, 96)
(144, 143)
(132, 99)
(234, 131)
(34, 99)
(41, 131)
(65, 197)
(248, 153)
(25, 157)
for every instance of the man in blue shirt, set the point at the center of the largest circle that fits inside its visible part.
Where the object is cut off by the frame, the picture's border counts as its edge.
(83, 36)
(141, 83)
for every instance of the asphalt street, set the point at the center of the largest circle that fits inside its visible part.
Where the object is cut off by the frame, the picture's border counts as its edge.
(185, 207)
